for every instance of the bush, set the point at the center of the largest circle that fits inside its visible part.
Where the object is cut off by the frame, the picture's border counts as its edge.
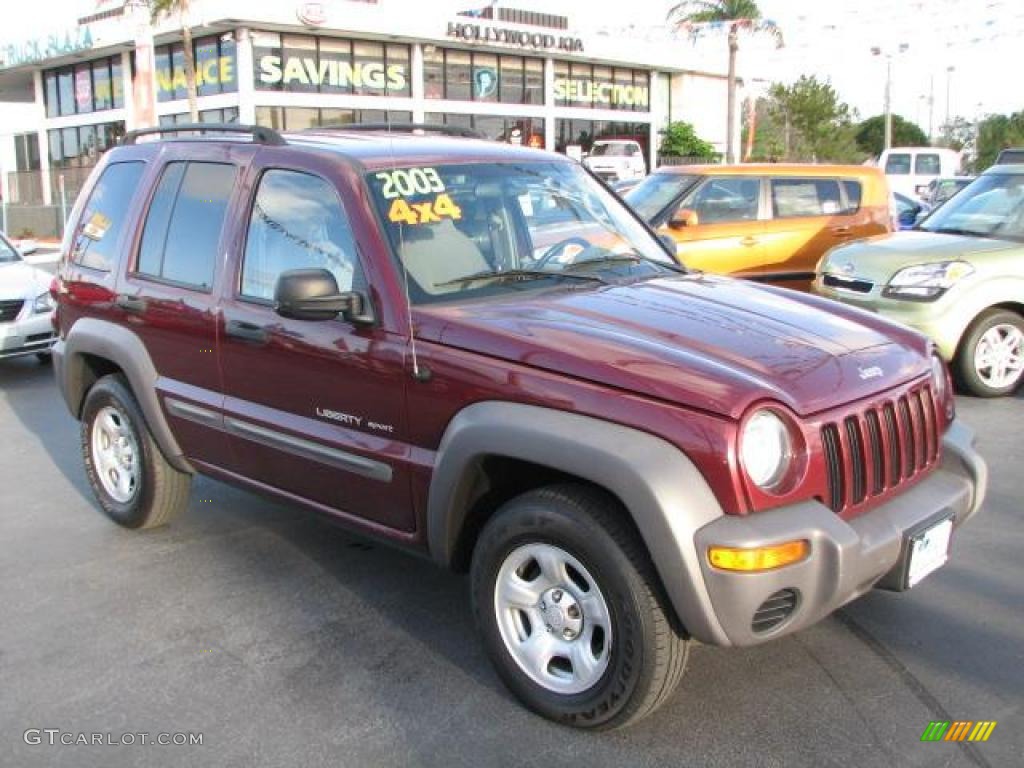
(679, 139)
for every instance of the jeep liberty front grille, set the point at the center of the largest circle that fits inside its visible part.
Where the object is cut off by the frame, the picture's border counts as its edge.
(875, 450)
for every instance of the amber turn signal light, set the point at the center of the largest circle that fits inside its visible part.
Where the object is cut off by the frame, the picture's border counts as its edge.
(758, 558)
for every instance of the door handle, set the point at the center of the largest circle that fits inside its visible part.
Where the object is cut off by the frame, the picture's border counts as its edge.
(240, 329)
(748, 241)
(840, 230)
(130, 303)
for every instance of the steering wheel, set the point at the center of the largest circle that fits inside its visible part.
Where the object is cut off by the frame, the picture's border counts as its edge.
(554, 251)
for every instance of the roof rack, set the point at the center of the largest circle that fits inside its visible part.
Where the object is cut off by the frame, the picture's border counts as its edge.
(260, 135)
(447, 130)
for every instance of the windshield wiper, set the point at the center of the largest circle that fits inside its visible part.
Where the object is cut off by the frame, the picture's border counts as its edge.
(964, 232)
(624, 258)
(518, 274)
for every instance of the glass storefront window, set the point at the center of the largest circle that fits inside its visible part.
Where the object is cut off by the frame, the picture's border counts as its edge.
(336, 55)
(485, 77)
(82, 146)
(512, 80)
(50, 91)
(300, 118)
(399, 70)
(534, 82)
(598, 87)
(309, 64)
(528, 131)
(457, 76)
(66, 92)
(103, 96)
(215, 69)
(433, 73)
(582, 133)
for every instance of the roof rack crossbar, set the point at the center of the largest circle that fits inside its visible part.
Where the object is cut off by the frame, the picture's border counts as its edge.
(260, 134)
(448, 130)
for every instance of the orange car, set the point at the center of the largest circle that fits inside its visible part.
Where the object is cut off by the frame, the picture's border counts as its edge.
(766, 222)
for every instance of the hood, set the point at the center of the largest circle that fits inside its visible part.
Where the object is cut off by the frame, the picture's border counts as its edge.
(19, 280)
(879, 258)
(710, 343)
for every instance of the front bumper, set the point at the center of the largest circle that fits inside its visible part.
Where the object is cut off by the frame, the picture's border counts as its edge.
(847, 558)
(943, 321)
(26, 336)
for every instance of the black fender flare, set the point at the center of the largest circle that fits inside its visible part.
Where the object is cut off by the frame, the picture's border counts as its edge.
(664, 493)
(113, 342)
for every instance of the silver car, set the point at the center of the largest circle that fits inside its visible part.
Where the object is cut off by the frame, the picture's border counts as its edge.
(25, 306)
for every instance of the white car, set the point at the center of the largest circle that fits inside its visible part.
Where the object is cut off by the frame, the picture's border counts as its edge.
(616, 159)
(25, 306)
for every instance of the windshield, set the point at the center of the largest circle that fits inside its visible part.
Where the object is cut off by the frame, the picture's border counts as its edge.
(991, 206)
(611, 150)
(8, 253)
(480, 229)
(653, 194)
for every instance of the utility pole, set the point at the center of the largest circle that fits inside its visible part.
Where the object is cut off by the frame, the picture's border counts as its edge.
(931, 106)
(949, 77)
(877, 51)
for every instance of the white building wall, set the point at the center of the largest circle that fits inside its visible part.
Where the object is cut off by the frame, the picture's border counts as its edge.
(701, 101)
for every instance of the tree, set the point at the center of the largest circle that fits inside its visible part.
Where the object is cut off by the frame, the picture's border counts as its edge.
(735, 15)
(160, 8)
(995, 133)
(805, 121)
(871, 134)
(679, 139)
(957, 134)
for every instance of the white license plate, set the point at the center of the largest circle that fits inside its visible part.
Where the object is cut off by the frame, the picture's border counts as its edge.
(929, 551)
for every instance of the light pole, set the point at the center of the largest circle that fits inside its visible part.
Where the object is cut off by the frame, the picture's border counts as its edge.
(877, 51)
(949, 76)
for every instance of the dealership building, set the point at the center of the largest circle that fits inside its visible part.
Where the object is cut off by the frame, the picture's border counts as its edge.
(513, 74)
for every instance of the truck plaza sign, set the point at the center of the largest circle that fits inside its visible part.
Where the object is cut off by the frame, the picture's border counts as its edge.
(48, 47)
(540, 41)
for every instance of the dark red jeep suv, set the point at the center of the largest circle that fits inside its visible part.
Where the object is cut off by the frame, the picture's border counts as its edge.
(477, 352)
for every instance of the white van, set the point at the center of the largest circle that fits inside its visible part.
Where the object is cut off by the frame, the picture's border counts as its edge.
(616, 159)
(910, 169)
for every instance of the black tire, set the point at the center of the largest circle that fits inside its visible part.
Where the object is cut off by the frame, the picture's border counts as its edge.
(161, 491)
(647, 655)
(44, 358)
(967, 376)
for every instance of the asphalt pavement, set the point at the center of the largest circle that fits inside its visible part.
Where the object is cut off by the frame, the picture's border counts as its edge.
(285, 641)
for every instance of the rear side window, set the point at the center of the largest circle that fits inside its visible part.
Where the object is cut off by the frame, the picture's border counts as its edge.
(179, 243)
(927, 165)
(805, 197)
(297, 222)
(103, 220)
(898, 165)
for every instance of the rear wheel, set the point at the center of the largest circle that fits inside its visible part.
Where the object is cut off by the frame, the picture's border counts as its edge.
(990, 362)
(571, 612)
(130, 477)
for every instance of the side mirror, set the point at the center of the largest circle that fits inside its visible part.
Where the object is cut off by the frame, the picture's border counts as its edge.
(684, 217)
(669, 242)
(312, 294)
(908, 216)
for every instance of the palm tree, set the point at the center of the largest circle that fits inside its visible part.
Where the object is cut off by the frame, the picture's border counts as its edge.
(161, 8)
(736, 15)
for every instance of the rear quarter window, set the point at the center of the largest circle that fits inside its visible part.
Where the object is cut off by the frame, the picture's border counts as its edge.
(99, 230)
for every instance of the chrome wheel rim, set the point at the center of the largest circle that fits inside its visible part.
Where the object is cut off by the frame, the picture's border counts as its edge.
(553, 618)
(999, 356)
(115, 454)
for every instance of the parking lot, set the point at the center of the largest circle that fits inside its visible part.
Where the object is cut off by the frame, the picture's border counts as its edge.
(284, 641)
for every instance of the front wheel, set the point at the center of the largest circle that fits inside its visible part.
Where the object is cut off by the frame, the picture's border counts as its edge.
(571, 612)
(990, 362)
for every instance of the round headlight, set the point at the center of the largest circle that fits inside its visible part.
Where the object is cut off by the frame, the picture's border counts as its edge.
(765, 449)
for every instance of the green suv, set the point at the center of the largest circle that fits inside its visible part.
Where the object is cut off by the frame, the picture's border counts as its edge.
(958, 277)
